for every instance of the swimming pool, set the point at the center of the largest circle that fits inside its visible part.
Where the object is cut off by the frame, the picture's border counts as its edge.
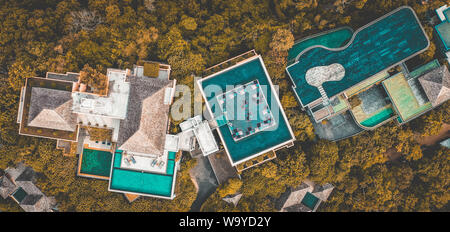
(331, 39)
(256, 143)
(95, 163)
(310, 201)
(141, 182)
(374, 48)
(378, 118)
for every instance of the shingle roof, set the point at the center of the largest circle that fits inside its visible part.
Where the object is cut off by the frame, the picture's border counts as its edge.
(436, 85)
(26, 175)
(323, 192)
(51, 108)
(144, 129)
(35, 200)
(31, 199)
(297, 208)
(290, 201)
(6, 187)
(233, 199)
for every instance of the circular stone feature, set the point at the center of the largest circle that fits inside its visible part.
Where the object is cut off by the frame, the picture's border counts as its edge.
(318, 75)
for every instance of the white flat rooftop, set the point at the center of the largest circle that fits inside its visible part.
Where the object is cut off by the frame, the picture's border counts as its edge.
(114, 105)
(205, 138)
(440, 12)
(171, 143)
(202, 132)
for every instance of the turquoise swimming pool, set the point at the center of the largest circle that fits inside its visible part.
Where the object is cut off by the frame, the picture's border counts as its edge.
(378, 118)
(141, 182)
(262, 140)
(376, 47)
(331, 39)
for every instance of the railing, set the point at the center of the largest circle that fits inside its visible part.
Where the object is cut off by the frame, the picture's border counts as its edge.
(228, 63)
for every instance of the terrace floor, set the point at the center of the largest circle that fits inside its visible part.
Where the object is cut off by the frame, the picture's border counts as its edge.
(375, 107)
(404, 98)
(338, 127)
(142, 182)
(203, 176)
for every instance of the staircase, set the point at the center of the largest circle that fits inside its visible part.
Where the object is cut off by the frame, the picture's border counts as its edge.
(324, 95)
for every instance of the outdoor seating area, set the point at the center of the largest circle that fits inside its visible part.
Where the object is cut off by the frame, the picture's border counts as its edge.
(157, 164)
(247, 100)
(142, 182)
(253, 134)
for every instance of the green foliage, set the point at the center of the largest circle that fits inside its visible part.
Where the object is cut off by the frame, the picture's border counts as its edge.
(229, 188)
(62, 36)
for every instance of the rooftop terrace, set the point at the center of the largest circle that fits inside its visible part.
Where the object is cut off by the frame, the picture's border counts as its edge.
(114, 105)
(375, 47)
(262, 140)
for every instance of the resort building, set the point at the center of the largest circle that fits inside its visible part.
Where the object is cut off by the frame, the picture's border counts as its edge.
(443, 30)
(17, 183)
(306, 197)
(350, 82)
(245, 109)
(119, 130)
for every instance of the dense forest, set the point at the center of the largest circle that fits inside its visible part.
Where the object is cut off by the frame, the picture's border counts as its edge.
(37, 36)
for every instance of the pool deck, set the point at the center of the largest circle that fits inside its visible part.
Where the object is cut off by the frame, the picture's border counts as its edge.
(263, 141)
(380, 45)
(339, 127)
(158, 185)
(403, 97)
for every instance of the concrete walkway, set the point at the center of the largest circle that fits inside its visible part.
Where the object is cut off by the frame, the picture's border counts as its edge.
(205, 180)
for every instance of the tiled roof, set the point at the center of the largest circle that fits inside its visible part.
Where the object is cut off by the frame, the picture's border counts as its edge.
(144, 129)
(52, 109)
(436, 85)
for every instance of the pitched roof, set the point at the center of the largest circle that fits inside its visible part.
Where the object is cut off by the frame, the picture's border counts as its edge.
(31, 199)
(6, 187)
(51, 108)
(436, 85)
(35, 200)
(233, 199)
(323, 192)
(26, 175)
(291, 200)
(144, 129)
(297, 208)
(297, 194)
